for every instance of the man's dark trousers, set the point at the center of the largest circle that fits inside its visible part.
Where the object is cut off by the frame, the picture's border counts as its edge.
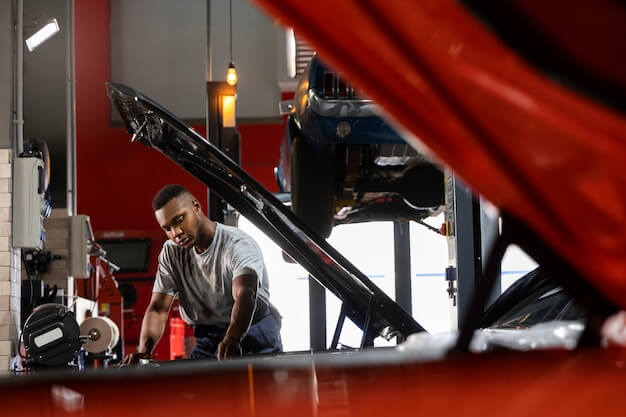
(262, 337)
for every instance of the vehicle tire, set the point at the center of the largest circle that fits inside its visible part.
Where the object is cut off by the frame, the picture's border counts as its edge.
(312, 185)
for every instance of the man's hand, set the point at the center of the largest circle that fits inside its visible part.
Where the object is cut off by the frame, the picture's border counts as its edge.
(152, 327)
(133, 358)
(228, 348)
(244, 297)
(614, 330)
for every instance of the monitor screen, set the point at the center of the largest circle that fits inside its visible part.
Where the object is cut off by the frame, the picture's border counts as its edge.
(131, 255)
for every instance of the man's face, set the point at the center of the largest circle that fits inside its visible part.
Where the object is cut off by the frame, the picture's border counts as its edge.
(180, 219)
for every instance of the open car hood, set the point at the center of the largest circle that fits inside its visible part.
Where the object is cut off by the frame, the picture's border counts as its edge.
(363, 302)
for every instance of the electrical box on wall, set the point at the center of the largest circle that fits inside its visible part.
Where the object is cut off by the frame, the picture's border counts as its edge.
(81, 237)
(29, 202)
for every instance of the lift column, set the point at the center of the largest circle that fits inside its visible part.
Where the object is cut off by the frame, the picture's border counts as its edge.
(471, 232)
(402, 263)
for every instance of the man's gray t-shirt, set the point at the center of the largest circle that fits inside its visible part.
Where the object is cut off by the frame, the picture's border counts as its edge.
(203, 281)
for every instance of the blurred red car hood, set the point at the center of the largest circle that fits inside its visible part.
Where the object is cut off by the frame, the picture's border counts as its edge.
(547, 155)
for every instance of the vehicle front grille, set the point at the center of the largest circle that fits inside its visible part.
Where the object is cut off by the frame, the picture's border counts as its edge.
(335, 87)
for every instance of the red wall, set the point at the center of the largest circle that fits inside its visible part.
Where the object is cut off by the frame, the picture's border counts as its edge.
(116, 180)
(260, 152)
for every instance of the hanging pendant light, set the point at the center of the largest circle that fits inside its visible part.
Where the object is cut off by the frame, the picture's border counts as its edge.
(231, 75)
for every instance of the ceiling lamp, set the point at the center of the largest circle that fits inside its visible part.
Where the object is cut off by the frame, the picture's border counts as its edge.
(231, 75)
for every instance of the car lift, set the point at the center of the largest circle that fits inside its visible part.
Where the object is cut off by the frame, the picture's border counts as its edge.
(470, 233)
(467, 240)
(476, 249)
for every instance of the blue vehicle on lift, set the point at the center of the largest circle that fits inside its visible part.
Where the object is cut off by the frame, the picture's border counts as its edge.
(343, 163)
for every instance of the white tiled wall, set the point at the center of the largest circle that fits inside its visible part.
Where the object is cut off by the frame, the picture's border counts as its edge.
(10, 269)
(11, 262)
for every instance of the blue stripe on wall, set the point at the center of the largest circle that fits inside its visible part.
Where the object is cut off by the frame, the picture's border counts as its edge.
(441, 274)
(432, 274)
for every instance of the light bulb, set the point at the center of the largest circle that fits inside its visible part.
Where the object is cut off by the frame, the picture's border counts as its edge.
(231, 75)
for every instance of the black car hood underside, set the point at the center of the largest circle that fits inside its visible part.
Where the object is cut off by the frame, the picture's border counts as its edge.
(155, 127)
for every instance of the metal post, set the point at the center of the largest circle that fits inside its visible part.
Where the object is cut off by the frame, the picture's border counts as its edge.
(208, 72)
(468, 250)
(19, 80)
(70, 103)
(402, 262)
(317, 315)
(489, 232)
(367, 340)
(342, 318)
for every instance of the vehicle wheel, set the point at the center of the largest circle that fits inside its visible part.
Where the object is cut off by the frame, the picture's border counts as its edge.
(312, 185)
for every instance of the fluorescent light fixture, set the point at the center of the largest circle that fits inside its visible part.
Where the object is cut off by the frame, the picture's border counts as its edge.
(291, 54)
(42, 35)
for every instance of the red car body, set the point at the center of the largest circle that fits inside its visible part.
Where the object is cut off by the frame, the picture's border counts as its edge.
(571, 384)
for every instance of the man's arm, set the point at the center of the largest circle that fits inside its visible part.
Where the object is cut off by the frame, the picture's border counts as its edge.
(154, 321)
(152, 326)
(244, 296)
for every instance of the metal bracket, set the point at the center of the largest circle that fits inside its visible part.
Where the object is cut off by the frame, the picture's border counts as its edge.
(339, 327)
(367, 340)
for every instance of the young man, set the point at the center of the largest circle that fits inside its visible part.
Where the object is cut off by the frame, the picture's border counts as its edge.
(219, 275)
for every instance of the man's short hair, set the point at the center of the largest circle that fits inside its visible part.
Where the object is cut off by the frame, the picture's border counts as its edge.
(166, 193)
